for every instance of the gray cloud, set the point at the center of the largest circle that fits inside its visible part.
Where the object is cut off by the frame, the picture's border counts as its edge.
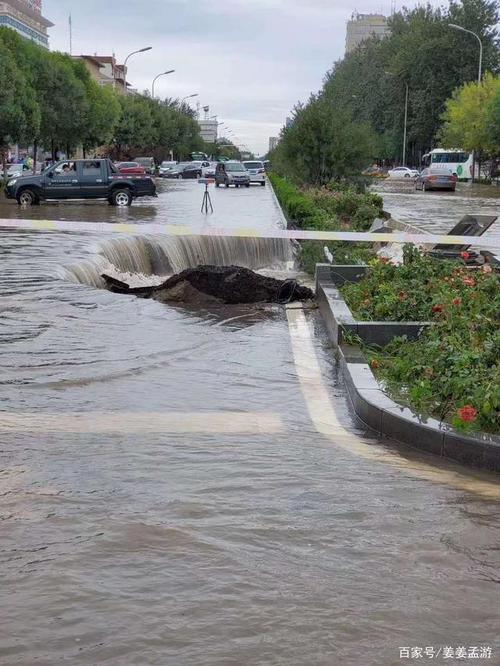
(250, 60)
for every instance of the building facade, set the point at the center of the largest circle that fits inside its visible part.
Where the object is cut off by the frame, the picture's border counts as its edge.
(364, 26)
(208, 130)
(25, 17)
(105, 71)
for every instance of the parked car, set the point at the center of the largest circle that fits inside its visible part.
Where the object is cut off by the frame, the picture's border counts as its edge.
(256, 171)
(436, 179)
(192, 170)
(148, 163)
(403, 172)
(231, 173)
(176, 170)
(209, 171)
(165, 168)
(81, 179)
(131, 168)
(15, 170)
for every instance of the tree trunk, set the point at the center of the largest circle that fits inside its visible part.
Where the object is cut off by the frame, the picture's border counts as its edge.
(4, 163)
(35, 151)
(52, 150)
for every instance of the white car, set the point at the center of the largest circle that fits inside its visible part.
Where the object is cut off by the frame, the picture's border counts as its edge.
(403, 172)
(257, 171)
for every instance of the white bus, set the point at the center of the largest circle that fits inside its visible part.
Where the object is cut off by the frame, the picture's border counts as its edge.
(458, 162)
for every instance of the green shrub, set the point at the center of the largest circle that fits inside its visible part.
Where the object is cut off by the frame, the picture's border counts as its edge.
(452, 371)
(339, 207)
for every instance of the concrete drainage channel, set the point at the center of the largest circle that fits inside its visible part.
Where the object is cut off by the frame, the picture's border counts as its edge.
(371, 404)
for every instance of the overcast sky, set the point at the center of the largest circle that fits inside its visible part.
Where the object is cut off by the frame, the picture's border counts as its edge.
(250, 60)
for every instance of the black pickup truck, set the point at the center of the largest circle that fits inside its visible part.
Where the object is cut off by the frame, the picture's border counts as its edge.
(80, 179)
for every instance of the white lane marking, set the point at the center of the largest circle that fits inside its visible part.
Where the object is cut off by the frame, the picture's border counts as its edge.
(139, 422)
(324, 418)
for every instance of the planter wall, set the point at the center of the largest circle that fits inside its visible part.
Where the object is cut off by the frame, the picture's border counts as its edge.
(371, 404)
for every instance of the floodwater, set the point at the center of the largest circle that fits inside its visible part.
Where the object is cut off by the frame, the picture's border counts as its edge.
(189, 488)
(439, 211)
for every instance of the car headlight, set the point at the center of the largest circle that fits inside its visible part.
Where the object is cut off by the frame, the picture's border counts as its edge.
(12, 182)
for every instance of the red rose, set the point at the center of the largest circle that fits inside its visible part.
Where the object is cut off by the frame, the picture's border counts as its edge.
(467, 413)
(375, 363)
(465, 255)
(437, 308)
(384, 260)
(469, 282)
(402, 295)
(457, 301)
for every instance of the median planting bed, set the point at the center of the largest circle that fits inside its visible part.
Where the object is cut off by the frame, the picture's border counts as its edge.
(452, 370)
(336, 207)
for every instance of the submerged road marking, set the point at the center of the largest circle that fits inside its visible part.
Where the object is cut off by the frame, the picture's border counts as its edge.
(246, 232)
(324, 418)
(139, 422)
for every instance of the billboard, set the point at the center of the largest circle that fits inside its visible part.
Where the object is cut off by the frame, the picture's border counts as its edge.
(35, 5)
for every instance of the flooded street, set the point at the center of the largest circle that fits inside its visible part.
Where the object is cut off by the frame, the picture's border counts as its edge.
(188, 487)
(438, 212)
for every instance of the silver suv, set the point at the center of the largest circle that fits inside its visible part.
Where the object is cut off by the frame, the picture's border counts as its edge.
(231, 173)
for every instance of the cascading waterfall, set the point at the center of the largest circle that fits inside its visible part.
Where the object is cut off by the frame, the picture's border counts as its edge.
(141, 260)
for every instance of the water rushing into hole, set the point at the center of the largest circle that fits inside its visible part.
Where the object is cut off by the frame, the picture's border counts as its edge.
(144, 259)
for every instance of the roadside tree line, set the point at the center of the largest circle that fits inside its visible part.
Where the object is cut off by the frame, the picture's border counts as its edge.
(49, 100)
(358, 115)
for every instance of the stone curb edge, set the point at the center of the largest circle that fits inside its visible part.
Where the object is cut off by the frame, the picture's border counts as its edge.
(386, 417)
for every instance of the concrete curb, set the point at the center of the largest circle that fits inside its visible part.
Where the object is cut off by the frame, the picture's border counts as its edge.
(371, 404)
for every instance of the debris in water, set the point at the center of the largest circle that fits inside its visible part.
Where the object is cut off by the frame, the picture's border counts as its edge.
(217, 284)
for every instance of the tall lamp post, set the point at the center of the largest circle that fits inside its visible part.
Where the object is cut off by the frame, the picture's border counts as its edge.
(146, 48)
(406, 126)
(479, 79)
(405, 130)
(188, 97)
(170, 71)
(459, 27)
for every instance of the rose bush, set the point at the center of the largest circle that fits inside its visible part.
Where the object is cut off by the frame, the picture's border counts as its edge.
(453, 370)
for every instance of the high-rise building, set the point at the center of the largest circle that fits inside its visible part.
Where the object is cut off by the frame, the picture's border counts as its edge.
(25, 17)
(273, 142)
(364, 26)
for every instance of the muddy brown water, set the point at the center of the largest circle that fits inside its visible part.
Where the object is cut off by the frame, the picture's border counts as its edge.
(167, 498)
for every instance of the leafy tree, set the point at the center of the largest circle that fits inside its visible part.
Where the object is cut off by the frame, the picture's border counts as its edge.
(423, 52)
(493, 119)
(323, 144)
(19, 111)
(470, 119)
(102, 117)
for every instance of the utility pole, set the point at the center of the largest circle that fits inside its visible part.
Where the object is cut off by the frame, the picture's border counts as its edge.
(406, 126)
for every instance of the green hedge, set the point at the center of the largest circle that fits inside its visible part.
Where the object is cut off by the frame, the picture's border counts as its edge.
(333, 208)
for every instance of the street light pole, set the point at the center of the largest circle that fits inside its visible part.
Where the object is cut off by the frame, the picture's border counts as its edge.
(188, 97)
(170, 71)
(459, 27)
(146, 48)
(406, 125)
(479, 79)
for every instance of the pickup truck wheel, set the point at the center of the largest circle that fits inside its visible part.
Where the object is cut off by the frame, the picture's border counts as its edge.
(247, 184)
(121, 198)
(263, 183)
(27, 198)
(227, 184)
